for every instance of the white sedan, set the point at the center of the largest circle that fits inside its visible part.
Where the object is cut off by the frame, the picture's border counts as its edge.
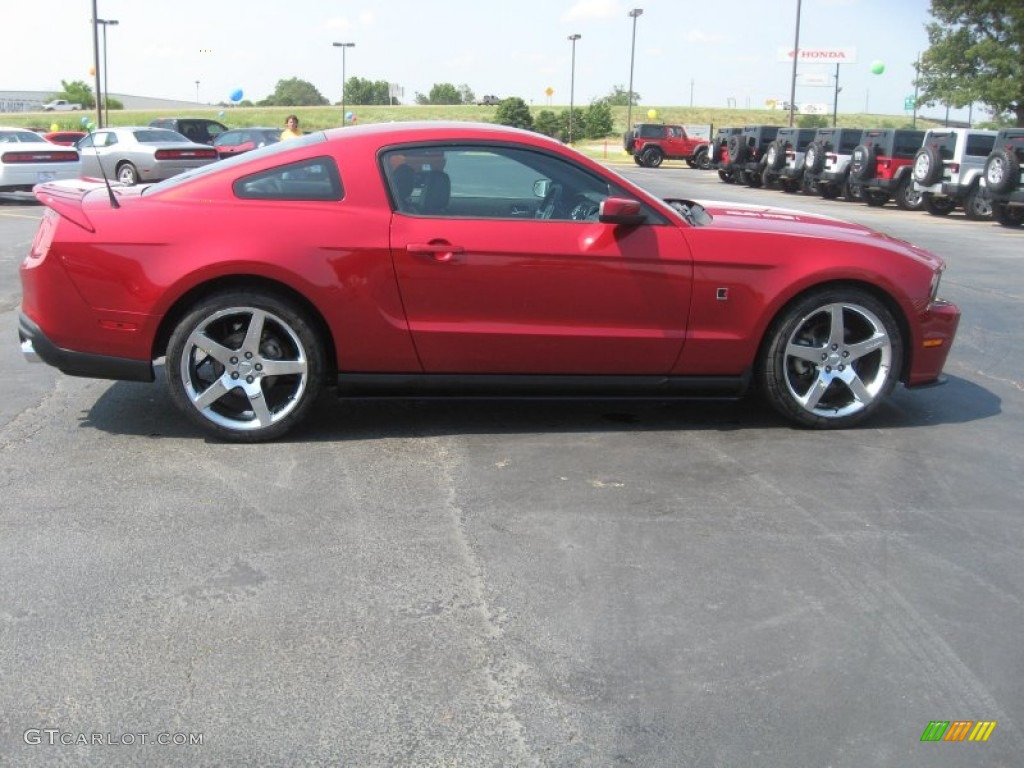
(137, 154)
(27, 159)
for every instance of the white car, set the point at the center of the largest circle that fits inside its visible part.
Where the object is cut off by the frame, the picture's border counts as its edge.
(27, 159)
(140, 154)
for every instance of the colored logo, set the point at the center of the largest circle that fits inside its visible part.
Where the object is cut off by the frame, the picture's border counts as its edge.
(958, 730)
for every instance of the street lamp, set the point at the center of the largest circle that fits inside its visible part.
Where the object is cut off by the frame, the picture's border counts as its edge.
(96, 62)
(343, 46)
(632, 51)
(572, 79)
(197, 91)
(106, 76)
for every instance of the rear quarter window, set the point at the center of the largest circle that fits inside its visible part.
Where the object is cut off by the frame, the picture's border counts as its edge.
(313, 179)
(979, 146)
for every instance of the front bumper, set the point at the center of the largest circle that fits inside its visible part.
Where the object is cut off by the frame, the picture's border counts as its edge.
(938, 324)
(37, 348)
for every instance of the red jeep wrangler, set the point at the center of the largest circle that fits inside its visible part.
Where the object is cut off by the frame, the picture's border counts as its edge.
(651, 143)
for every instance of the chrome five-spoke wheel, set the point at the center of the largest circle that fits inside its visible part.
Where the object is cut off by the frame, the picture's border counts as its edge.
(832, 358)
(246, 367)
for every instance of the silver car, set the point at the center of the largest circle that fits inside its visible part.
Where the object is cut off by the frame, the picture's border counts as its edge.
(27, 159)
(140, 154)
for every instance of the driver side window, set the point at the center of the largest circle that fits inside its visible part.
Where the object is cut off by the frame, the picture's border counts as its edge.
(491, 181)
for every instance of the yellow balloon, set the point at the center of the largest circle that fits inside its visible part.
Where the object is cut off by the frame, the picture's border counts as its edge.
(92, 71)
(54, 127)
(652, 113)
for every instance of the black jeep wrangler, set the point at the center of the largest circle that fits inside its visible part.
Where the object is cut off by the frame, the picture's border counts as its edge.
(744, 153)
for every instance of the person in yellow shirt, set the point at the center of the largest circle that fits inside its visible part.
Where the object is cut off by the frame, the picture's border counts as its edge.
(291, 130)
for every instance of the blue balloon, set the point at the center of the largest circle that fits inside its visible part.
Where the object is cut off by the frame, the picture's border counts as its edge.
(236, 95)
(348, 115)
(221, 113)
(85, 121)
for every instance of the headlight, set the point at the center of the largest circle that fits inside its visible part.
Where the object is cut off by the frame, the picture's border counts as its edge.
(933, 291)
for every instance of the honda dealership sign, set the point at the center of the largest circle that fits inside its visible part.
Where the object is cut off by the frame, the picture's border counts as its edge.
(821, 55)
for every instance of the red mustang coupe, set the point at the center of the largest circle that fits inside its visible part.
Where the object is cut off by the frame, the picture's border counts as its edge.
(454, 258)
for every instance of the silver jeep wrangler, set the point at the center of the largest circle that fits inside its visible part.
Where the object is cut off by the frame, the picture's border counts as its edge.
(948, 170)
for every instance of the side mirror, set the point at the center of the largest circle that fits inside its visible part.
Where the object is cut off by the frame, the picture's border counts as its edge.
(621, 210)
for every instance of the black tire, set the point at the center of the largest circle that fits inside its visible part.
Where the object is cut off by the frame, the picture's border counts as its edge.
(829, 191)
(727, 177)
(814, 158)
(818, 375)
(652, 157)
(732, 147)
(939, 206)
(1007, 216)
(927, 166)
(907, 197)
(636, 159)
(220, 365)
(853, 191)
(862, 163)
(753, 179)
(1002, 171)
(789, 186)
(127, 174)
(775, 156)
(876, 198)
(768, 178)
(977, 204)
(704, 159)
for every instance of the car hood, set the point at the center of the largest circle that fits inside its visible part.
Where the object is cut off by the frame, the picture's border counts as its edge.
(738, 217)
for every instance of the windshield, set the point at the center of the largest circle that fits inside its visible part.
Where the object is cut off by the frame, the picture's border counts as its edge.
(16, 137)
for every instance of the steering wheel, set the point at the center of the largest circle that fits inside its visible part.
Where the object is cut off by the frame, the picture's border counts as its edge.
(584, 209)
(552, 200)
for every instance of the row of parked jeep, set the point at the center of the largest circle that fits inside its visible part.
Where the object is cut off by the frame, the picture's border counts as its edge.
(936, 170)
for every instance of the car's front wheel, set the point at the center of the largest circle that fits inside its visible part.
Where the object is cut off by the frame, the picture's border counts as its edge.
(908, 198)
(652, 157)
(245, 365)
(831, 358)
(1007, 216)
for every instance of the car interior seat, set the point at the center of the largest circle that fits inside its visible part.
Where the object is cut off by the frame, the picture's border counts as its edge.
(403, 179)
(437, 189)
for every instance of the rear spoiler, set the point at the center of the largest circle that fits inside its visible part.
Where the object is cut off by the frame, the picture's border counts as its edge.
(66, 197)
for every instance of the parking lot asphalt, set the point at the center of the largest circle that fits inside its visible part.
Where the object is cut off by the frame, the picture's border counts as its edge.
(467, 583)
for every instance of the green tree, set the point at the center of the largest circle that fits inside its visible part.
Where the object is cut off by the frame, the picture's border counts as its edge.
(360, 91)
(295, 93)
(598, 120)
(619, 97)
(515, 112)
(547, 122)
(466, 94)
(976, 55)
(444, 93)
(77, 92)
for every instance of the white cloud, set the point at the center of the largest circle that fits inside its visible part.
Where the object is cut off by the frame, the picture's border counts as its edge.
(587, 10)
(340, 23)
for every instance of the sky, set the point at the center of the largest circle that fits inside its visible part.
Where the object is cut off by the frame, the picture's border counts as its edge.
(710, 53)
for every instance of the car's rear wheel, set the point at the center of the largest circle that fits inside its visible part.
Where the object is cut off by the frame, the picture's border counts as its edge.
(977, 204)
(727, 177)
(245, 365)
(908, 198)
(127, 174)
(876, 198)
(652, 157)
(1007, 216)
(831, 358)
(939, 206)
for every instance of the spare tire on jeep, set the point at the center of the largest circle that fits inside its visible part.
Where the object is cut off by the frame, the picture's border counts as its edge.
(927, 166)
(862, 163)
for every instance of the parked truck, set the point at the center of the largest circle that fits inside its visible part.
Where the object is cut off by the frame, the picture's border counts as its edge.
(61, 105)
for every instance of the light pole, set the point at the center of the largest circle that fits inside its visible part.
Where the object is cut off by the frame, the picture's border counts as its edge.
(796, 58)
(572, 79)
(343, 46)
(106, 76)
(197, 91)
(96, 62)
(632, 53)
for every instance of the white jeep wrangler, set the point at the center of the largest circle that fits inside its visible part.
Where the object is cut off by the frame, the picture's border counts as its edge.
(948, 169)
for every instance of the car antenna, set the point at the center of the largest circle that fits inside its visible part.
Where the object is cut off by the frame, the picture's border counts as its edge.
(99, 162)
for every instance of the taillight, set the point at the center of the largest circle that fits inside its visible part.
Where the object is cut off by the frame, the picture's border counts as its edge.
(186, 154)
(954, 167)
(43, 156)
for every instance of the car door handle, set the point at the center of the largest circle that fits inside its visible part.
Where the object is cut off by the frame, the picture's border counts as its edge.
(440, 251)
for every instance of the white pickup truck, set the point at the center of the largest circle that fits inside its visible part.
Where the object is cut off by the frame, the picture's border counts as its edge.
(61, 105)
